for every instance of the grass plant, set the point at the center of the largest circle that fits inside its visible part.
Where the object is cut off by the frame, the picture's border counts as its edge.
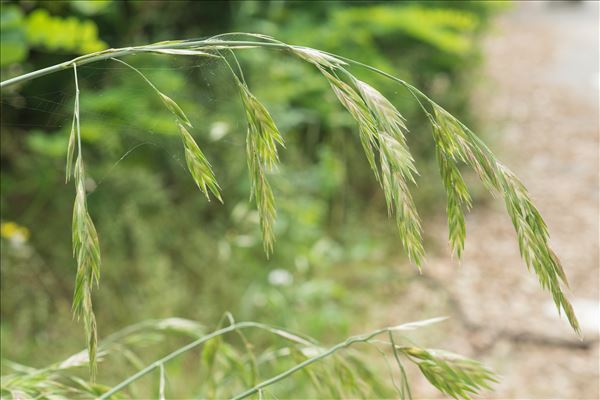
(382, 133)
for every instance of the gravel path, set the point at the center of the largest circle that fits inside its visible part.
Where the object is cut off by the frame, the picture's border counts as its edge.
(540, 93)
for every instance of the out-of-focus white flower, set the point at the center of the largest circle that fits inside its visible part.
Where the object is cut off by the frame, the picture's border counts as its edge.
(218, 130)
(280, 277)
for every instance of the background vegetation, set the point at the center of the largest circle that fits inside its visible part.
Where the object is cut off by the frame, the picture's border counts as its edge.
(166, 251)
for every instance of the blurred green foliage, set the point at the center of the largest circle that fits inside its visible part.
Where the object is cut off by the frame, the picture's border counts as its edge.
(166, 251)
(39, 29)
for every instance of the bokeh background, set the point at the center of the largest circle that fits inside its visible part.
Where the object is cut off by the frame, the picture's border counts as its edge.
(523, 75)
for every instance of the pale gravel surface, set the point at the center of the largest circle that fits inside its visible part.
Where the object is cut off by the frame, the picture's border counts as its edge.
(540, 93)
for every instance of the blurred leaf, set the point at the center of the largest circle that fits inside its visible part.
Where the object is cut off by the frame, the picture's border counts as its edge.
(446, 29)
(54, 146)
(90, 7)
(67, 34)
(13, 46)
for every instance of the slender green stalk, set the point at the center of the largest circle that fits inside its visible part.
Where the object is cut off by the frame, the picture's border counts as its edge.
(125, 51)
(170, 356)
(348, 342)
(231, 328)
(120, 52)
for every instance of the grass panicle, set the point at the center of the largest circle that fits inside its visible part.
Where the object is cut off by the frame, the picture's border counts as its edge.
(457, 193)
(199, 166)
(197, 163)
(358, 109)
(381, 133)
(455, 142)
(86, 250)
(86, 246)
(397, 169)
(459, 143)
(534, 246)
(452, 374)
(262, 140)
